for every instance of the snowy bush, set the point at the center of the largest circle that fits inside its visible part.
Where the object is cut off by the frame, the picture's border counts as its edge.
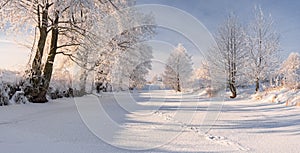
(9, 84)
(19, 97)
(4, 97)
(55, 93)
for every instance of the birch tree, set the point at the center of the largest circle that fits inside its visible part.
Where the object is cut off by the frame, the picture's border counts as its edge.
(263, 46)
(228, 56)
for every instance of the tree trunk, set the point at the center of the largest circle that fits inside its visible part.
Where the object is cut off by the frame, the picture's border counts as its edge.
(232, 80)
(43, 24)
(37, 61)
(83, 81)
(35, 77)
(257, 85)
(47, 74)
(233, 90)
(178, 84)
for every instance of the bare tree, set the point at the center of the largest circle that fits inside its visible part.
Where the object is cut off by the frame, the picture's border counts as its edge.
(263, 45)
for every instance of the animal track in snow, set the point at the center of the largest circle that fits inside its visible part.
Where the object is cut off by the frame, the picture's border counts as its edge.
(215, 139)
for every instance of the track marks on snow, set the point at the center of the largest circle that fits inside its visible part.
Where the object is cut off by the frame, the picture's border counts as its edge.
(197, 130)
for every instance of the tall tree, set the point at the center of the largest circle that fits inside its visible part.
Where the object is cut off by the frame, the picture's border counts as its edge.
(263, 45)
(63, 24)
(228, 56)
(118, 48)
(141, 66)
(131, 67)
(178, 69)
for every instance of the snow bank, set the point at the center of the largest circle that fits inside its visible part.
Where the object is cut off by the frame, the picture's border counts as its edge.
(280, 96)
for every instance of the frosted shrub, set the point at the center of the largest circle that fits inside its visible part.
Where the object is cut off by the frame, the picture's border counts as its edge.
(4, 98)
(19, 98)
(55, 93)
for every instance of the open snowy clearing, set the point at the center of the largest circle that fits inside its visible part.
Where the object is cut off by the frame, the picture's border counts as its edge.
(163, 121)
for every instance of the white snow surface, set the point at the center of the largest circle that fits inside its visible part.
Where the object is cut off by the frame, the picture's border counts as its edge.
(164, 121)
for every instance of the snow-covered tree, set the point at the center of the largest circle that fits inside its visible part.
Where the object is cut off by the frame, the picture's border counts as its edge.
(202, 76)
(290, 69)
(178, 70)
(61, 26)
(263, 45)
(142, 65)
(119, 48)
(228, 57)
(131, 68)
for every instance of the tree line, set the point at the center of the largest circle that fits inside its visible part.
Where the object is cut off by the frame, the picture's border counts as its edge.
(243, 56)
(246, 54)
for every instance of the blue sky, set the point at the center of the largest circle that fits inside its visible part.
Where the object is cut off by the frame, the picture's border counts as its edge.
(211, 13)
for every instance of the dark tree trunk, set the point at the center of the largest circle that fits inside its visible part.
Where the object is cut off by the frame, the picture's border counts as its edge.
(47, 73)
(35, 77)
(43, 24)
(233, 90)
(178, 85)
(257, 85)
(37, 61)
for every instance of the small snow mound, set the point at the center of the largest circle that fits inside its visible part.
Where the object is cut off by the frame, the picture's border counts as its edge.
(279, 96)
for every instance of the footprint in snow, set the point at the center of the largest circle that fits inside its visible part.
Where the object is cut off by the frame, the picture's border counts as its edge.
(227, 142)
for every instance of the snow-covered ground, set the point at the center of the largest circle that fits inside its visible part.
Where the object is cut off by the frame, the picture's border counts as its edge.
(158, 120)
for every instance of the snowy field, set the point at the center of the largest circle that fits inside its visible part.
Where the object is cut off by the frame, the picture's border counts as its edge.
(159, 121)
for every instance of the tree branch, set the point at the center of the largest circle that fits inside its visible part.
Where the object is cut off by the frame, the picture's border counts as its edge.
(67, 45)
(5, 3)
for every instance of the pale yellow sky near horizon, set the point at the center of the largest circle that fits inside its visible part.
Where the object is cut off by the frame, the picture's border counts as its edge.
(13, 56)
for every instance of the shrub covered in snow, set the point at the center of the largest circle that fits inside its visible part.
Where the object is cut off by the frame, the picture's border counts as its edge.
(4, 97)
(8, 85)
(19, 98)
(55, 93)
